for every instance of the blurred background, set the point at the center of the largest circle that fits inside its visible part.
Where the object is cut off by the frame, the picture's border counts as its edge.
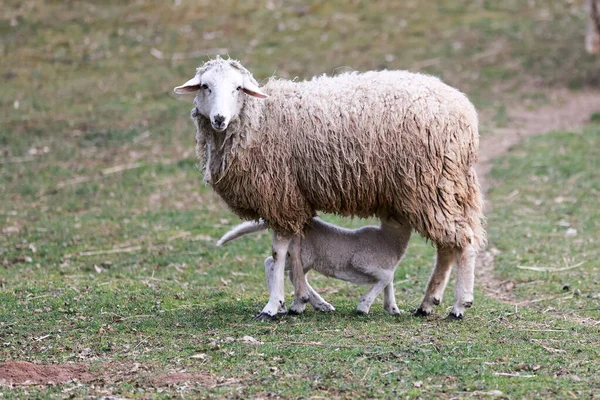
(105, 221)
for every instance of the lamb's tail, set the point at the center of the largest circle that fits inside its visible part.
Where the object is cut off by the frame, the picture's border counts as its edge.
(242, 229)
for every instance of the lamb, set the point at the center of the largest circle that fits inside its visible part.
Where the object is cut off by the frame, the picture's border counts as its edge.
(368, 255)
(387, 143)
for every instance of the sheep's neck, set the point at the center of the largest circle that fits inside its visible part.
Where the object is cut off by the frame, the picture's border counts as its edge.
(220, 148)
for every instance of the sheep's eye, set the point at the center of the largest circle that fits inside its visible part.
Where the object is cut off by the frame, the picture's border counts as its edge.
(205, 86)
(239, 88)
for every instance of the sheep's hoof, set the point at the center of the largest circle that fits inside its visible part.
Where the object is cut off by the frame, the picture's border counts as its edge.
(393, 311)
(294, 312)
(264, 317)
(362, 312)
(419, 312)
(454, 317)
(282, 311)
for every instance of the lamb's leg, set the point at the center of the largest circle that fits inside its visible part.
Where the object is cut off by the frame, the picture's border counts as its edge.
(389, 299)
(301, 292)
(438, 280)
(465, 277)
(365, 301)
(316, 300)
(276, 277)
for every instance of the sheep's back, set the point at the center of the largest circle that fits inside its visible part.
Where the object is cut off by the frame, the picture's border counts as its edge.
(391, 141)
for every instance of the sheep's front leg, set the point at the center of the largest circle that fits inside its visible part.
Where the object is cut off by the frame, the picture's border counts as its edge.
(276, 277)
(269, 270)
(437, 281)
(301, 292)
(389, 299)
(365, 301)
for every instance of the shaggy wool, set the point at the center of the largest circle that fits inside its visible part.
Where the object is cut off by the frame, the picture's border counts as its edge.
(358, 144)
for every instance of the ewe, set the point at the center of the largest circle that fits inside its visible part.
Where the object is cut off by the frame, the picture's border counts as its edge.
(389, 143)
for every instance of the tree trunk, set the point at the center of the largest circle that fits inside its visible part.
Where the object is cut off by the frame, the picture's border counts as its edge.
(592, 36)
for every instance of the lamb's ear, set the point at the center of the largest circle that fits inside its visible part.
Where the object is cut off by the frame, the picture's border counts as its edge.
(252, 89)
(191, 86)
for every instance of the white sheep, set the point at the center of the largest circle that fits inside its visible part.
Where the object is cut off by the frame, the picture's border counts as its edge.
(388, 143)
(368, 255)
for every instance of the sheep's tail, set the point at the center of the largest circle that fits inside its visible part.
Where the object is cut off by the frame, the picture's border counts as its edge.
(242, 229)
(475, 218)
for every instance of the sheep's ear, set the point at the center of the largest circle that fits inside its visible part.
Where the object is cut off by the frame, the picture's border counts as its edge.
(252, 89)
(191, 86)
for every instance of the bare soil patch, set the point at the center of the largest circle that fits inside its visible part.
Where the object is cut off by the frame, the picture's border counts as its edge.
(23, 373)
(568, 111)
(26, 373)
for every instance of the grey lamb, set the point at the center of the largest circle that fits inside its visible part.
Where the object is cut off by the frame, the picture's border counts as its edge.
(367, 255)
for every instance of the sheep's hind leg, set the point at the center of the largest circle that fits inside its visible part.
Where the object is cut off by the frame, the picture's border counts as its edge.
(389, 299)
(437, 281)
(275, 272)
(465, 277)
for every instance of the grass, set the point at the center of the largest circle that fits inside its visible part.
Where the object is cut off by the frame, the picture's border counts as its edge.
(546, 200)
(95, 154)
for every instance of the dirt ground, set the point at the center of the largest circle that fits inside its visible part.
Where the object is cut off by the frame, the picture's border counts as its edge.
(23, 373)
(568, 110)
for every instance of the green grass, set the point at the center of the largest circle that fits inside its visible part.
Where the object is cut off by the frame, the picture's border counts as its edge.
(546, 222)
(83, 93)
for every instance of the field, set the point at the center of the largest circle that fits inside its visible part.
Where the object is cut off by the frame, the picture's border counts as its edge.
(110, 280)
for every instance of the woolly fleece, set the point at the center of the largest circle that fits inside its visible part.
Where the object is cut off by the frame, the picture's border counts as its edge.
(358, 144)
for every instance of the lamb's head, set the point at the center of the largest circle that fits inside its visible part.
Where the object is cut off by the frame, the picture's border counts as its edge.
(221, 87)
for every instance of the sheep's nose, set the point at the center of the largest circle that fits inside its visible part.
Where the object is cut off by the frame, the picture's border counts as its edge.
(218, 123)
(219, 119)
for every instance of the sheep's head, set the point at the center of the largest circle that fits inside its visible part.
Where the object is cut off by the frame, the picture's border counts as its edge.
(221, 87)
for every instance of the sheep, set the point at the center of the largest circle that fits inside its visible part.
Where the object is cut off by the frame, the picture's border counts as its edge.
(592, 35)
(386, 143)
(368, 255)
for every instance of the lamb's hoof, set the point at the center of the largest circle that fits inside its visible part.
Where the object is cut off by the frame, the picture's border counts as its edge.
(362, 312)
(394, 312)
(419, 312)
(454, 317)
(264, 317)
(295, 312)
(325, 307)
